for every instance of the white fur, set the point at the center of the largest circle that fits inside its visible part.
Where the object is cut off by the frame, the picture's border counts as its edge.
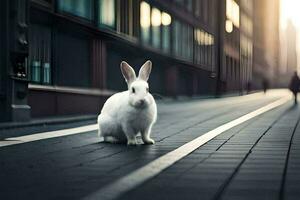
(123, 115)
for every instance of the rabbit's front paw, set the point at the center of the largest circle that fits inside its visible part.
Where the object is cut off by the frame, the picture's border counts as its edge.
(149, 141)
(131, 142)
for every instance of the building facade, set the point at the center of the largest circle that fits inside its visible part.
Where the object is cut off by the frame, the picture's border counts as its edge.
(66, 60)
(236, 45)
(266, 43)
(75, 48)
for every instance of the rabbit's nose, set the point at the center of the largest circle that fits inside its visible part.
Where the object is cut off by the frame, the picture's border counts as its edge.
(142, 102)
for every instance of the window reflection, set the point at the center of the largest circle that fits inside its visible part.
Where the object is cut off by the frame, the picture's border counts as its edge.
(81, 8)
(233, 13)
(156, 22)
(145, 21)
(155, 17)
(155, 27)
(166, 19)
(107, 12)
(166, 22)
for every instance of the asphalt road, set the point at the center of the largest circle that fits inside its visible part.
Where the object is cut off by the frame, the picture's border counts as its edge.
(256, 159)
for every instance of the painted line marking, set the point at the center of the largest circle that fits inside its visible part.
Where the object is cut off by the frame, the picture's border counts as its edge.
(66, 132)
(47, 135)
(141, 175)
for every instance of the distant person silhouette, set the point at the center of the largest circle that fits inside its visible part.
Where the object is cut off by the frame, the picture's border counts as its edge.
(265, 84)
(294, 85)
(249, 87)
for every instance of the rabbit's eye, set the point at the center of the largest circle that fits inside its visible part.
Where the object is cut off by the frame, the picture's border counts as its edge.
(147, 89)
(133, 90)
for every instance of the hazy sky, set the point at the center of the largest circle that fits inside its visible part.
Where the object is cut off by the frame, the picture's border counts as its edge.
(289, 10)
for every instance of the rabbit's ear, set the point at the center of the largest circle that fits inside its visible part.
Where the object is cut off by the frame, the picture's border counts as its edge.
(145, 70)
(127, 72)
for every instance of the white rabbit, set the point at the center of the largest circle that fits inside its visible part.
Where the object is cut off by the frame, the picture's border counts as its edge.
(127, 113)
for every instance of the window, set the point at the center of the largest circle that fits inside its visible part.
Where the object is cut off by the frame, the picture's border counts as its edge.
(155, 27)
(107, 12)
(197, 46)
(40, 54)
(197, 8)
(156, 22)
(177, 38)
(74, 66)
(189, 5)
(166, 23)
(145, 11)
(184, 41)
(180, 2)
(204, 49)
(81, 8)
(190, 43)
(233, 12)
(126, 17)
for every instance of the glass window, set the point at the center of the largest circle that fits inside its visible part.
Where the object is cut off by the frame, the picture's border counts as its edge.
(156, 22)
(126, 17)
(73, 67)
(197, 8)
(233, 12)
(177, 38)
(189, 5)
(40, 54)
(145, 22)
(197, 38)
(181, 2)
(166, 23)
(190, 43)
(81, 8)
(184, 40)
(202, 47)
(107, 12)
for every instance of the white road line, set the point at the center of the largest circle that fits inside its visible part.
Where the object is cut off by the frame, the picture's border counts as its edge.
(139, 176)
(47, 135)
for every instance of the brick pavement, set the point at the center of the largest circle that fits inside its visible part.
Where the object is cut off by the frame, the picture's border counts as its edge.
(72, 167)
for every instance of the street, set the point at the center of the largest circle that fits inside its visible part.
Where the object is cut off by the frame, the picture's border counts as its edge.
(258, 158)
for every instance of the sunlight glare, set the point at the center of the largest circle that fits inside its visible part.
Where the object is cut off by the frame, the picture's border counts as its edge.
(289, 11)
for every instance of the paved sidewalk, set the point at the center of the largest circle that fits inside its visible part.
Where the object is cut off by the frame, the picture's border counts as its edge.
(255, 160)
(251, 161)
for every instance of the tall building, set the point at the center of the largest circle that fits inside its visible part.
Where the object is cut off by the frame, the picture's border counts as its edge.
(62, 57)
(235, 57)
(69, 56)
(291, 38)
(266, 42)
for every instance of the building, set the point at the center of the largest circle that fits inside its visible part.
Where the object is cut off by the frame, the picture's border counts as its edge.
(69, 52)
(291, 37)
(266, 43)
(62, 57)
(236, 45)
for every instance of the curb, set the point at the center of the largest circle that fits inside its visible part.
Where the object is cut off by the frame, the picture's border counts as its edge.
(47, 121)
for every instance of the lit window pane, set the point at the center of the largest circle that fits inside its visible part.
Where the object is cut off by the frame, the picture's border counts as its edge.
(145, 21)
(107, 12)
(233, 12)
(155, 17)
(166, 19)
